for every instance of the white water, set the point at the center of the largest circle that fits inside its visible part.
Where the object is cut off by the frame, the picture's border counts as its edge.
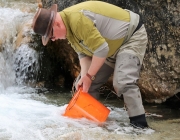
(27, 115)
(24, 117)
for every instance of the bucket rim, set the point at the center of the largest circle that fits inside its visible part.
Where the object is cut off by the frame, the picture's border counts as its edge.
(74, 99)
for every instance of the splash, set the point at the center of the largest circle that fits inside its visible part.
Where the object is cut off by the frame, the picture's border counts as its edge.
(26, 65)
(6, 74)
(27, 115)
(17, 65)
(7, 39)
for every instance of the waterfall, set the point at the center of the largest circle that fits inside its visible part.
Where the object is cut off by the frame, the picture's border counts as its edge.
(17, 65)
(7, 37)
(26, 65)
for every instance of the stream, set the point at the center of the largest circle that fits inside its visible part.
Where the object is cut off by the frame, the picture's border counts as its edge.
(28, 113)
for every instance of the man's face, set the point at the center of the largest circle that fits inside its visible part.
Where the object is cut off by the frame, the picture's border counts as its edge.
(57, 31)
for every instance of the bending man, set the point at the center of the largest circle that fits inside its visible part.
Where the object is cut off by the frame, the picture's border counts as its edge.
(108, 40)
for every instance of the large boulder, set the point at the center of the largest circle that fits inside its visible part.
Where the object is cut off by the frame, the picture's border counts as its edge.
(160, 74)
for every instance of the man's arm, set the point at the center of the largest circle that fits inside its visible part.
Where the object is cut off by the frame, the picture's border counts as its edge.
(91, 66)
(85, 63)
(96, 64)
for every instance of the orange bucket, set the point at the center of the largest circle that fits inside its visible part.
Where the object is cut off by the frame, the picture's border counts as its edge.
(84, 105)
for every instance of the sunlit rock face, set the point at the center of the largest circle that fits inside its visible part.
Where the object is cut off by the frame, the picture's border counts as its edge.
(160, 75)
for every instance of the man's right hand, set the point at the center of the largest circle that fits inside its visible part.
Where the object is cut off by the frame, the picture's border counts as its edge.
(85, 83)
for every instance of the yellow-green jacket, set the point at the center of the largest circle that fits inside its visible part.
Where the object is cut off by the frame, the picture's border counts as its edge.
(93, 25)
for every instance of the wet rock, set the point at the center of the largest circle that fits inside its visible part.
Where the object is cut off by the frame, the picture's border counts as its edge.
(160, 72)
(24, 34)
(160, 75)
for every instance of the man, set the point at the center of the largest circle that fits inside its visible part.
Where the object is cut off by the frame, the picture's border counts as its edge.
(108, 40)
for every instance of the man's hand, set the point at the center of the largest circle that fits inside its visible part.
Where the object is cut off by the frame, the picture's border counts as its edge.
(85, 83)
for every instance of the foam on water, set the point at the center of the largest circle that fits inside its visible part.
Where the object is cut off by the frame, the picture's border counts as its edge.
(22, 117)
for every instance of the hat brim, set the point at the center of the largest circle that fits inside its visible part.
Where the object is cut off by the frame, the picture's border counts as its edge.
(46, 38)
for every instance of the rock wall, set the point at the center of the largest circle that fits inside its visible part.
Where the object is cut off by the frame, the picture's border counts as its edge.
(160, 75)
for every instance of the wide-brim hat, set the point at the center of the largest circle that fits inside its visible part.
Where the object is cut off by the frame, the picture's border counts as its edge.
(43, 22)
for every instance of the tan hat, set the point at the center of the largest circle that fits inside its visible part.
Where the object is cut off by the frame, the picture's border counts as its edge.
(43, 22)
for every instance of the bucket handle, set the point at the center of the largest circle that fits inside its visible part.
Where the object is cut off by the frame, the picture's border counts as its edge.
(75, 98)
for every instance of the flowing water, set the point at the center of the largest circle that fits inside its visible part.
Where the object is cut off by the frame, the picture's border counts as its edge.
(36, 114)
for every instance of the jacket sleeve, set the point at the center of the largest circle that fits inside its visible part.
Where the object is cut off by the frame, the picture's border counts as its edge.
(81, 55)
